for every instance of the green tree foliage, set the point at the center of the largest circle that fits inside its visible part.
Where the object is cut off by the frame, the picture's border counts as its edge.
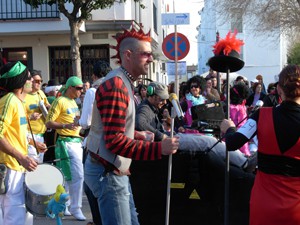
(294, 54)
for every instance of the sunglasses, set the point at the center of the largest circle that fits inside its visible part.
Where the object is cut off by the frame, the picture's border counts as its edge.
(145, 54)
(78, 88)
(194, 86)
(38, 81)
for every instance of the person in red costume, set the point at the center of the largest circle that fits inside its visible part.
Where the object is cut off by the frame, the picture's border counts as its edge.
(275, 196)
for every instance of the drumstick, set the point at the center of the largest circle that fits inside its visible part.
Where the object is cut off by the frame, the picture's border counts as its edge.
(56, 160)
(51, 146)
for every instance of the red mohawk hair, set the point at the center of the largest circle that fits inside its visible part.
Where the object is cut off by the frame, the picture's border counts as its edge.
(132, 33)
(228, 44)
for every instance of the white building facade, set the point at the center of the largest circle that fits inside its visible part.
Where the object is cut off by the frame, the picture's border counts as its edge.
(264, 54)
(40, 38)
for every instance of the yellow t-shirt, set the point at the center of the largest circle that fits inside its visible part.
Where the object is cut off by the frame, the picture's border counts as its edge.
(13, 127)
(32, 105)
(63, 110)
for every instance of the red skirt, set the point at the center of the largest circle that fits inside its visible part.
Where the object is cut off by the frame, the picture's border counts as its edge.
(275, 200)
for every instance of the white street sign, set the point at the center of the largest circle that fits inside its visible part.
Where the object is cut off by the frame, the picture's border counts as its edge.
(175, 18)
(181, 68)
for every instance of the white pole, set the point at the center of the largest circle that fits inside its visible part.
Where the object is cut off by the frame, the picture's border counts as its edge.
(169, 174)
(172, 128)
(176, 57)
(176, 63)
(227, 166)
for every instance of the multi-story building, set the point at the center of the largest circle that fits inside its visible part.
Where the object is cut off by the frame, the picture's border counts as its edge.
(264, 54)
(40, 38)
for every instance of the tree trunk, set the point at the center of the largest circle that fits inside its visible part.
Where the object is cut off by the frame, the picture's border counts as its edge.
(74, 51)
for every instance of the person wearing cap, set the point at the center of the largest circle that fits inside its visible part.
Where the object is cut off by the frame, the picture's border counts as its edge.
(15, 84)
(68, 149)
(34, 101)
(147, 111)
(147, 120)
(112, 142)
(51, 90)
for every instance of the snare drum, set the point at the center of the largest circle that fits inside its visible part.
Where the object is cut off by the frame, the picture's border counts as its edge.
(40, 186)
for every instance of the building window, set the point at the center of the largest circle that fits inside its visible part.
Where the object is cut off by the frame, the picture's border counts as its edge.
(20, 10)
(154, 18)
(242, 53)
(237, 20)
(61, 63)
(23, 55)
(17, 56)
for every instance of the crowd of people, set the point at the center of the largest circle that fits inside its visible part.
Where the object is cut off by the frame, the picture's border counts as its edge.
(92, 130)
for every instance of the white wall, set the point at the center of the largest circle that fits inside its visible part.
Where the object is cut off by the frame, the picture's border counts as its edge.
(207, 36)
(39, 35)
(119, 11)
(264, 54)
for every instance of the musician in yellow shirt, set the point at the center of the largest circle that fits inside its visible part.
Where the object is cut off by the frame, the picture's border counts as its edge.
(68, 148)
(15, 83)
(33, 101)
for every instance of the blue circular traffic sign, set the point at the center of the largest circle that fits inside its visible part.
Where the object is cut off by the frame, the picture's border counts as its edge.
(168, 46)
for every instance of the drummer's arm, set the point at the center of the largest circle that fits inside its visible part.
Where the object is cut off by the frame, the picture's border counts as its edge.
(27, 162)
(41, 147)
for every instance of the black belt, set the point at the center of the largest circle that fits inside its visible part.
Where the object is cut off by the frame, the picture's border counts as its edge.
(94, 156)
(97, 159)
(278, 164)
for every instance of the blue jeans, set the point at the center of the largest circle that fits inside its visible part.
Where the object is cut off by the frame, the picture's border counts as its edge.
(114, 194)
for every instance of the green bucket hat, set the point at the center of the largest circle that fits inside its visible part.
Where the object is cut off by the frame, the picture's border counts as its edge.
(73, 81)
(16, 70)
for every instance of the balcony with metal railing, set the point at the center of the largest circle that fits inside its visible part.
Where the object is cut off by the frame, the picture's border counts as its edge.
(19, 10)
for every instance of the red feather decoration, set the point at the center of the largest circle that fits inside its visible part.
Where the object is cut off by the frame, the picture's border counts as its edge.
(228, 44)
(133, 33)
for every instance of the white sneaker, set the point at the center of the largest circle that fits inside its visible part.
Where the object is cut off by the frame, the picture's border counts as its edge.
(67, 212)
(78, 215)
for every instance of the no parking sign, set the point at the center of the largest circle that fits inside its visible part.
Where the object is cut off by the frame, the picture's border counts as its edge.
(168, 46)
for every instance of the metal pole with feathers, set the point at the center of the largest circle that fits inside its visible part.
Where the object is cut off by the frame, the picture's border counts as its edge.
(227, 60)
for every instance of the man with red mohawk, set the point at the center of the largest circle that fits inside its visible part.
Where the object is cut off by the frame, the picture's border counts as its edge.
(113, 141)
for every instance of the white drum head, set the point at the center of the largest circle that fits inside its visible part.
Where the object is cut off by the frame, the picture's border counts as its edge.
(44, 180)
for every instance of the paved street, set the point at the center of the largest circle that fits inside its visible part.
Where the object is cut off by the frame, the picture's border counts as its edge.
(67, 220)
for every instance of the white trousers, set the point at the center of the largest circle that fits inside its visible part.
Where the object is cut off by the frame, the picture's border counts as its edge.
(75, 186)
(12, 204)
